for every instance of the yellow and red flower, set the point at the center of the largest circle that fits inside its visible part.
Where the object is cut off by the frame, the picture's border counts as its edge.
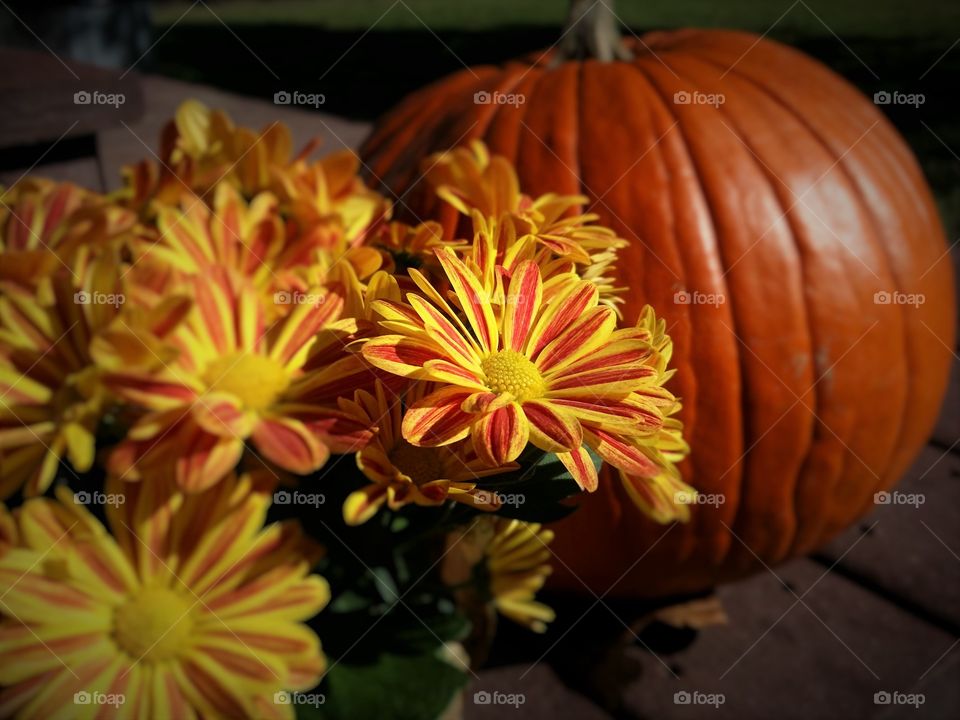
(550, 368)
(229, 378)
(513, 558)
(471, 180)
(190, 609)
(47, 227)
(402, 473)
(51, 394)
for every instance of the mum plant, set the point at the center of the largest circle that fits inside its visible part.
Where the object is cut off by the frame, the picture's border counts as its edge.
(243, 409)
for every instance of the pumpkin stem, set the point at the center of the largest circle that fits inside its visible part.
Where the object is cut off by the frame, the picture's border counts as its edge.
(592, 30)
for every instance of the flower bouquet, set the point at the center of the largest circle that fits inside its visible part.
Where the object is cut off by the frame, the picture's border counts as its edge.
(243, 409)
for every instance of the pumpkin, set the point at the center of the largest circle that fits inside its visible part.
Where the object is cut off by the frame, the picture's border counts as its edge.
(784, 230)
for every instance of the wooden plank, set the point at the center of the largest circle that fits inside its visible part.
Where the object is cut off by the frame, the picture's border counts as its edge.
(83, 172)
(940, 684)
(779, 659)
(44, 99)
(537, 694)
(909, 552)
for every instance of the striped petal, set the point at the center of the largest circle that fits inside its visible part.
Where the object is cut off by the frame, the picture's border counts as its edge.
(586, 335)
(221, 414)
(581, 468)
(601, 382)
(362, 504)
(560, 314)
(552, 429)
(460, 349)
(620, 352)
(522, 303)
(443, 371)
(204, 459)
(613, 414)
(473, 299)
(500, 436)
(289, 444)
(438, 419)
(401, 355)
(619, 453)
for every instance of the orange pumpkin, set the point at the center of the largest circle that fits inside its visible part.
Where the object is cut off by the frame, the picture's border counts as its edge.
(747, 174)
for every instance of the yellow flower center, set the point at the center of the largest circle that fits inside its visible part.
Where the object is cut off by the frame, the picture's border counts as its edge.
(420, 464)
(155, 625)
(255, 380)
(511, 372)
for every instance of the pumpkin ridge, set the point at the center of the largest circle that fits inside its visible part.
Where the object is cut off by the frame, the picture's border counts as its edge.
(804, 474)
(890, 267)
(872, 220)
(787, 214)
(581, 147)
(724, 540)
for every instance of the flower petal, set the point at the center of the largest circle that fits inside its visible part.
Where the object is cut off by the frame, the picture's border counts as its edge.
(473, 299)
(552, 429)
(560, 314)
(586, 335)
(522, 303)
(401, 355)
(289, 444)
(362, 504)
(438, 419)
(614, 449)
(500, 436)
(581, 468)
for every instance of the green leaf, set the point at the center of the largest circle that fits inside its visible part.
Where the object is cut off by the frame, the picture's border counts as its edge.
(398, 687)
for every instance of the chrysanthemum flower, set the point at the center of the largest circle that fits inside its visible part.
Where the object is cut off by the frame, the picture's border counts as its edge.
(51, 394)
(230, 378)
(48, 227)
(328, 193)
(190, 609)
(403, 473)
(660, 492)
(191, 237)
(513, 559)
(550, 368)
(201, 148)
(471, 180)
